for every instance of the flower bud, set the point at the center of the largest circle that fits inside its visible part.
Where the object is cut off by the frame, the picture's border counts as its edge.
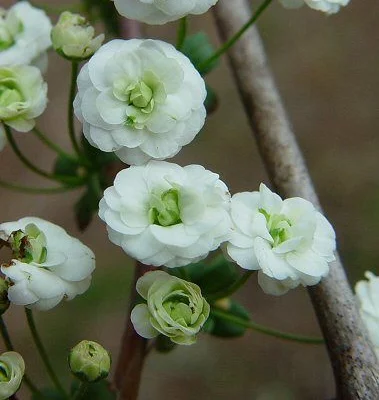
(73, 37)
(12, 369)
(89, 361)
(4, 301)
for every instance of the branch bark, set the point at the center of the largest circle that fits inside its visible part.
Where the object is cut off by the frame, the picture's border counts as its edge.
(353, 360)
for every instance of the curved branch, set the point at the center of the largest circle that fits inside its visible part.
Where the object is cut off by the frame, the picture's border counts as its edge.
(354, 363)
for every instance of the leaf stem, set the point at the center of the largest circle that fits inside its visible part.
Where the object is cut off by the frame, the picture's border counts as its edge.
(182, 32)
(9, 346)
(234, 39)
(35, 191)
(231, 289)
(266, 330)
(81, 391)
(71, 124)
(42, 351)
(44, 139)
(34, 168)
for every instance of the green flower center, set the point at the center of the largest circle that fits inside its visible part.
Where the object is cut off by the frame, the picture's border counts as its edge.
(29, 246)
(180, 308)
(278, 226)
(9, 93)
(164, 209)
(10, 26)
(4, 373)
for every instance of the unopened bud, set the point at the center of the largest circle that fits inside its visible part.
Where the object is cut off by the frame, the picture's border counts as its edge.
(74, 38)
(89, 361)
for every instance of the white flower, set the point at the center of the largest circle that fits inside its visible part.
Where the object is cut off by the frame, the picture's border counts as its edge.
(158, 12)
(23, 96)
(24, 35)
(48, 265)
(326, 6)
(12, 369)
(368, 300)
(74, 38)
(140, 98)
(3, 138)
(163, 214)
(288, 241)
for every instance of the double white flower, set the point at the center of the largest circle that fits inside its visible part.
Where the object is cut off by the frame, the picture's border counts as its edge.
(23, 96)
(368, 300)
(326, 6)
(288, 241)
(141, 99)
(164, 214)
(24, 35)
(158, 12)
(12, 369)
(48, 265)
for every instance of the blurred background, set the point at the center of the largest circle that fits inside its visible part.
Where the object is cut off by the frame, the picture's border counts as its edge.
(327, 72)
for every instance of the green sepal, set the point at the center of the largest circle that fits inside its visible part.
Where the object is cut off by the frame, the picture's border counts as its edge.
(217, 326)
(198, 49)
(164, 344)
(95, 391)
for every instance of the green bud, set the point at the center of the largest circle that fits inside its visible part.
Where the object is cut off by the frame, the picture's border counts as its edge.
(12, 369)
(4, 301)
(89, 361)
(29, 246)
(74, 38)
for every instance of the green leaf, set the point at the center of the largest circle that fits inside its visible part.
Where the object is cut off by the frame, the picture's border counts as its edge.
(198, 49)
(217, 326)
(95, 391)
(212, 277)
(48, 393)
(211, 101)
(65, 167)
(98, 158)
(86, 207)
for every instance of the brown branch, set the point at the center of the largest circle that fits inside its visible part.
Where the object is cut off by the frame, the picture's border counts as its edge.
(354, 364)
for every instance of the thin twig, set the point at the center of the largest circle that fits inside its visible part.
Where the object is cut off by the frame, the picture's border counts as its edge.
(354, 363)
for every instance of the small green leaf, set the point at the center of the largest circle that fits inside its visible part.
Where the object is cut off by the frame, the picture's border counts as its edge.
(163, 344)
(65, 167)
(212, 277)
(86, 207)
(95, 391)
(217, 326)
(98, 158)
(211, 101)
(198, 49)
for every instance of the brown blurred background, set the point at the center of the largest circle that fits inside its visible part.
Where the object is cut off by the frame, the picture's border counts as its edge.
(327, 71)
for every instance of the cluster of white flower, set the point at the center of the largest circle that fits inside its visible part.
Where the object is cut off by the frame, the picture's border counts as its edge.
(47, 265)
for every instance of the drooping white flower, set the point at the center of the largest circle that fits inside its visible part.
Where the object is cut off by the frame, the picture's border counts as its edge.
(288, 241)
(24, 35)
(48, 265)
(23, 96)
(158, 12)
(368, 300)
(12, 369)
(74, 38)
(326, 6)
(174, 308)
(141, 99)
(164, 214)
